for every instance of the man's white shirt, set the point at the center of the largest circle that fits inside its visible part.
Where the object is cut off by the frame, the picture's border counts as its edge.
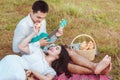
(23, 29)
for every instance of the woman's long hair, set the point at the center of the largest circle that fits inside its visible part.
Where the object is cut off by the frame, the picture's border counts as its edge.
(61, 64)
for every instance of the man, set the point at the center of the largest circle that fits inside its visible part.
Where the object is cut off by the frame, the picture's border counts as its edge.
(36, 18)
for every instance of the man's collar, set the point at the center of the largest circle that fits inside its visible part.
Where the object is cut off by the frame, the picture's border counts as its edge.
(30, 22)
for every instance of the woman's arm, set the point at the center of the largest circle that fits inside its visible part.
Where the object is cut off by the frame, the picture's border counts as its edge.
(23, 46)
(39, 76)
(42, 77)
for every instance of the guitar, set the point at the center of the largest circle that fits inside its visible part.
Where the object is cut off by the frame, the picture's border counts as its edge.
(62, 24)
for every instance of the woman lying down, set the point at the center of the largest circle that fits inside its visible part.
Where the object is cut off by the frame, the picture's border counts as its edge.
(45, 67)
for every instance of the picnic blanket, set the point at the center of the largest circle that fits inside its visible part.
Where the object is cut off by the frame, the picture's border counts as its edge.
(78, 77)
(82, 77)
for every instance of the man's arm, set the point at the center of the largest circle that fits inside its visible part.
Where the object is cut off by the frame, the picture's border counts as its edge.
(19, 35)
(54, 36)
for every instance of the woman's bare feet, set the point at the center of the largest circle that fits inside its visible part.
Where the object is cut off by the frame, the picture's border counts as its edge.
(103, 64)
(107, 70)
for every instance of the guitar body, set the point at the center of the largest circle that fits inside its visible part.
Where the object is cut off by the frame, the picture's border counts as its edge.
(45, 35)
(42, 35)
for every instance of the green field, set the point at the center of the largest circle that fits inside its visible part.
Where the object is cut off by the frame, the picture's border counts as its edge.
(97, 18)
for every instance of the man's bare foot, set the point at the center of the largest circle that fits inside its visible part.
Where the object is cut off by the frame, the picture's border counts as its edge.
(103, 64)
(107, 70)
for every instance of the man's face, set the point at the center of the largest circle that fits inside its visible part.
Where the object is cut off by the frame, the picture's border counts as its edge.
(38, 17)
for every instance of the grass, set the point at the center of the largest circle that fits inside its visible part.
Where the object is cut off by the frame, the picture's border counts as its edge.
(98, 18)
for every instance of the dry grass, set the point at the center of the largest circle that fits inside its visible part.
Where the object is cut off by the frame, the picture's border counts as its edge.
(98, 18)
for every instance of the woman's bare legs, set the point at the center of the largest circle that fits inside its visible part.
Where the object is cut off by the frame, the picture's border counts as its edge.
(76, 69)
(80, 60)
(86, 66)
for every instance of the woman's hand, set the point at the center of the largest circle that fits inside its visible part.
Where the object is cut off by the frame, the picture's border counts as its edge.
(36, 28)
(31, 73)
(28, 73)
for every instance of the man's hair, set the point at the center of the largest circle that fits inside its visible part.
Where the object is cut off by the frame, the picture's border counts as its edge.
(40, 5)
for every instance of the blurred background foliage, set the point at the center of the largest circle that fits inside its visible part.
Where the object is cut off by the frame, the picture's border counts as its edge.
(97, 18)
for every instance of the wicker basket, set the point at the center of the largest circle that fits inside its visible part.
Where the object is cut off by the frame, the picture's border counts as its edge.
(89, 54)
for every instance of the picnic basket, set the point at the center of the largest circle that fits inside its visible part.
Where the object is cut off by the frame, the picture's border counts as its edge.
(89, 54)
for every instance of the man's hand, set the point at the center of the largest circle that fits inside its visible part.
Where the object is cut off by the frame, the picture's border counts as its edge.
(43, 42)
(59, 32)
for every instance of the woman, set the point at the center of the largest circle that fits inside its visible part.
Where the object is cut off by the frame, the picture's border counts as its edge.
(13, 67)
(64, 65)
(81, 65)
(81, 68)
(71, 62)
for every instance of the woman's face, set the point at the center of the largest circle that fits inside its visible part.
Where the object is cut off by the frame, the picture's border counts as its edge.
(54, 50)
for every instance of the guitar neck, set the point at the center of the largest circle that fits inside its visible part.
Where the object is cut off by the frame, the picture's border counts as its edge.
(53, 33)
(62, 24)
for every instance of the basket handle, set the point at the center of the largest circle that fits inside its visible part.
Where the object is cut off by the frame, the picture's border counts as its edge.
(86, 36)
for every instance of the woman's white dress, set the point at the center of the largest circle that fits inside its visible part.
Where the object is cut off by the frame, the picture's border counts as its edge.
(12, 66)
